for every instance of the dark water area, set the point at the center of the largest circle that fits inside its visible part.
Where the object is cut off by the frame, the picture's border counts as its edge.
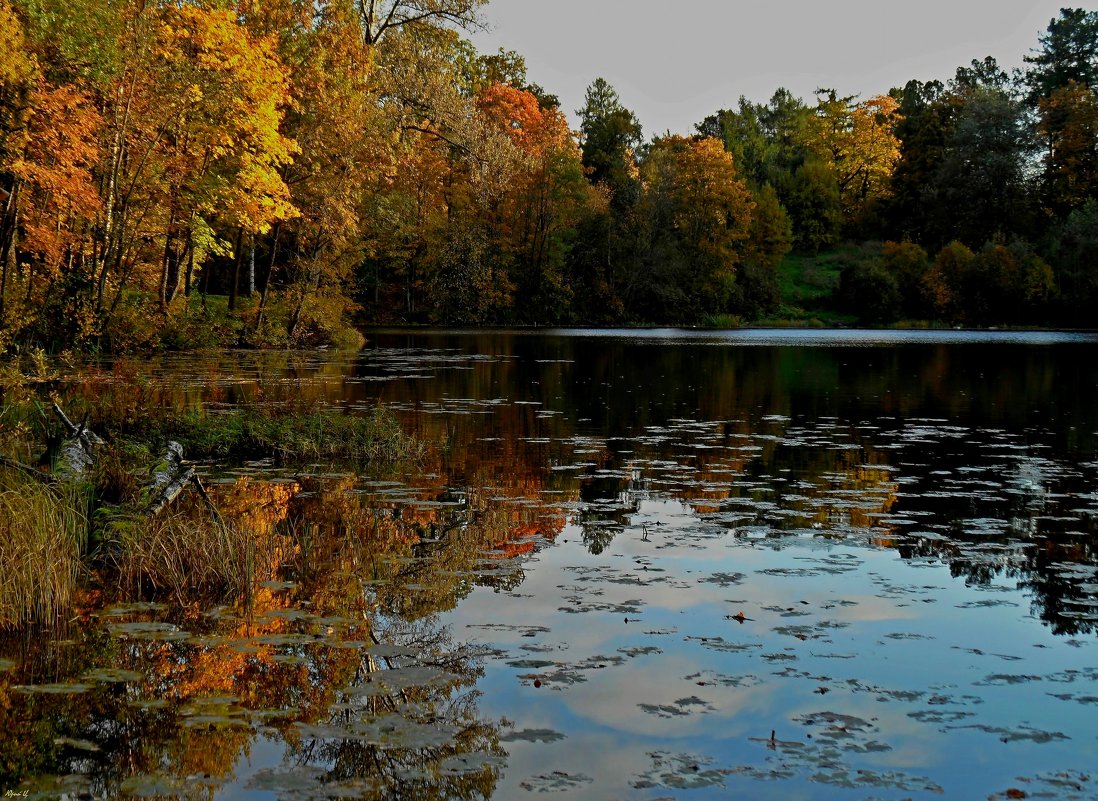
(643, 565)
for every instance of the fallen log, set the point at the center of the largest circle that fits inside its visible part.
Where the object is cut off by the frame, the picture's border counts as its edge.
(170, 478)
(77, 453)
(30, 470)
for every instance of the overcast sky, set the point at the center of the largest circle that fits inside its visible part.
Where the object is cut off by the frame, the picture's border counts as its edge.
(674, 62)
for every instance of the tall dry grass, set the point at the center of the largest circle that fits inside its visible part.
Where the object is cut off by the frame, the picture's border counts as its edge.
(43, 536)
(189, 556)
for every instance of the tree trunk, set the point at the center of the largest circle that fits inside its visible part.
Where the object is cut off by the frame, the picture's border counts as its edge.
(270, 274)
(251, 265)
(234, 285)
(7, 245)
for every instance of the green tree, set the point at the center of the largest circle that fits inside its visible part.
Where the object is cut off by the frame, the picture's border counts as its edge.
(1068, 52)
(811, 196)
(868, 290)
(769, 239)
(908, 263)
(926, 121)
(610, 135)
(1073, 254)
(981, 185)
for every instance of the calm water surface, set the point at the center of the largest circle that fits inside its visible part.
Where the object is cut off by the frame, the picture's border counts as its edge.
(639, 565)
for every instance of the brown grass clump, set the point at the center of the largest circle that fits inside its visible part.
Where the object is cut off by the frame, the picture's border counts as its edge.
(43, 534)
(189, 555)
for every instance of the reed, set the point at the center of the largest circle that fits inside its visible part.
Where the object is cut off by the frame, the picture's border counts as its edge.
(43, 536)
(188, 556)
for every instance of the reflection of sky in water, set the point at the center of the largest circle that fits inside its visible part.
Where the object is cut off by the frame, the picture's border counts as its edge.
(849, 629)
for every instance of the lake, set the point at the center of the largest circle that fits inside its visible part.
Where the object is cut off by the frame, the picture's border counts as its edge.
(634, 565)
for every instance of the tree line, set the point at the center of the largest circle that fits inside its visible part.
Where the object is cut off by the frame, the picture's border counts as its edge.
(272, 171)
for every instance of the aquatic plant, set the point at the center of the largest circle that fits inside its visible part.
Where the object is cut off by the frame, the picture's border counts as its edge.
(311, 435)
(43, 535)
(186, 554)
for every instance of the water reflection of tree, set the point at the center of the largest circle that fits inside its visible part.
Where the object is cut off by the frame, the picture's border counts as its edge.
(391, 735)
(355, 647)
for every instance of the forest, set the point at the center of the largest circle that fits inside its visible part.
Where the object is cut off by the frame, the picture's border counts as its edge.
(281, 172)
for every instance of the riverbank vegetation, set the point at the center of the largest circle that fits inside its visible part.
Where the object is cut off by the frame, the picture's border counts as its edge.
(271, 173)
(69, 532)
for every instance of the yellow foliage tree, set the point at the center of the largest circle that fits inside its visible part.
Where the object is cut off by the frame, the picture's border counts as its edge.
(858, 142)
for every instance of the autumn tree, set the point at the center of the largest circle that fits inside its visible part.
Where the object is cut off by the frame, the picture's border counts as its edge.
(17, 79)
(307, 264)
(436, 122)
(695, 217)
(217, 145)
(857, 141)
(56, 200)
(1069, 129)
(544, 203)
(382, 17)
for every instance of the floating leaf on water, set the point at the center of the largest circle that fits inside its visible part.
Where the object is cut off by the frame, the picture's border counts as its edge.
(463, 764)
(346, 644)
(302, 779)
(80, 745)
(138, 607)
(286, 614)
(939, 715)
(532, 736)
(531, 664)
(152, 786)
(402, 678)
(720, 644)
(109, 675)
(680, 708)
(556, 781)
(640, 651)
(723, 579)
(391, 651)
(681, 772)
(214, 722)
(387, 732)
(1014, 735)
(149, 630)
(999, 679)
(61, 688)
(244, 646)
(285, 638)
